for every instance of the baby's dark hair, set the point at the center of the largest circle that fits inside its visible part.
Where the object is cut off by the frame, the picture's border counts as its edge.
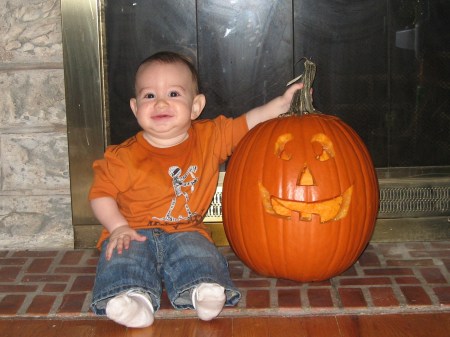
(172, 57)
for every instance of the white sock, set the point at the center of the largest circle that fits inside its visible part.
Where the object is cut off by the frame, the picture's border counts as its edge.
(132, 309)
(208, 299)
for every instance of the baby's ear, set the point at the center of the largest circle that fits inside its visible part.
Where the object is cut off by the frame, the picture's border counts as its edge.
(133, 105)
(197, 106)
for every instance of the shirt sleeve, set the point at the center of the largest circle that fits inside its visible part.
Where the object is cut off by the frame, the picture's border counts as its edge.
(111, 176)
(231, 131)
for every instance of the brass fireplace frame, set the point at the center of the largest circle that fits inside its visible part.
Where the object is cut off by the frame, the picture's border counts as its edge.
(415, 202)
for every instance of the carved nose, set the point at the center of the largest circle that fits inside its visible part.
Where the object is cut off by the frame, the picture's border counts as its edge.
(305, 177)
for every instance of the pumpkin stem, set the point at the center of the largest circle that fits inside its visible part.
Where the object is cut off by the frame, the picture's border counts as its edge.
(301, 103)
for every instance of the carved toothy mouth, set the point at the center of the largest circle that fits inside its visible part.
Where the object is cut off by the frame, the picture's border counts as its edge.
(328, 210)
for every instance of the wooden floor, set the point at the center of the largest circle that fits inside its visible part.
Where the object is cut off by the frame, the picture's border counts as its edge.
(392, 325)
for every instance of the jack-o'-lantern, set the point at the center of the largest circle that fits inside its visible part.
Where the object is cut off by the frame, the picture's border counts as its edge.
(300, 195)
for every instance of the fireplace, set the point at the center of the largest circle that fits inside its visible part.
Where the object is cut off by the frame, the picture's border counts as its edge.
(388, 79)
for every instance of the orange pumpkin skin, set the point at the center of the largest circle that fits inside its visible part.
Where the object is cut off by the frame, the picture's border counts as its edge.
(269, 166)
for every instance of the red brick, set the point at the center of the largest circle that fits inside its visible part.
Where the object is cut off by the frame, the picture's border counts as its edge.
(289, 298)
(320, 298)
(407, 280)
(236, 270)
(446, 263)
(72, 303)
(39, 266)
(54, 287)
(410, 263)
(45, 278)
(83, 283)
(17, 288)
(352, 298)
(245, 283)
(415, 295)
(72, 257)
(415, 245)
(9, 274)
(440, 244)
(41, 304)
(92, 262)
(13, 261)
(35, 253)
(326, 283)
(430, 253)
(383, 297)
(433, 275)
(11, 304)
(165, 302)
(350, 272)
(443, 294)
(75, 270)
(287, 283)
(258, 299)
(369, 259)
(388, 271)
(364, 281)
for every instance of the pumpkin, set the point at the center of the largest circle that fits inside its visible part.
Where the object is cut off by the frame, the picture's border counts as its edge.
(300, 195)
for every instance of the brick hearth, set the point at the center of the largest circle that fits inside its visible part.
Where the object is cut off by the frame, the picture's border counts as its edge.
(388, 278)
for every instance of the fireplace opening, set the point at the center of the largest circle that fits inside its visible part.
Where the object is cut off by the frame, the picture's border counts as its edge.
(382, 67)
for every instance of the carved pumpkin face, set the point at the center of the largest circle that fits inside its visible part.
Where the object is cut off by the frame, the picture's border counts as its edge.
(331, 209)
(300, 198)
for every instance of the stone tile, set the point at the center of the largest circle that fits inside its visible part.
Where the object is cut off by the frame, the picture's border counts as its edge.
(36, 222)
(32, 99)
(31, 31)
(31, 161)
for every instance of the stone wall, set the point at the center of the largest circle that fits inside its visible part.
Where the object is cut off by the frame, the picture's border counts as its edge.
(35, 208)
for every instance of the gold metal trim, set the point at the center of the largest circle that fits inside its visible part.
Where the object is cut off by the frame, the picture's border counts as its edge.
(85, 108)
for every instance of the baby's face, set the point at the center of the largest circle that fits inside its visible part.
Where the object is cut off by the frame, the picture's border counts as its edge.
(165, 102)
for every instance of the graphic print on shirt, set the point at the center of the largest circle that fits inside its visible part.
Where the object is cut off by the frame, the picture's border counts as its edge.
(179, 182)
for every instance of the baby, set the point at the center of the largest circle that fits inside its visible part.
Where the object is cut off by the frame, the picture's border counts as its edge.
(151, 193)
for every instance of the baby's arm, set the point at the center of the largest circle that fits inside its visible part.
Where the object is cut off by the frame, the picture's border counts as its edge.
(272, 109)
(107, 212)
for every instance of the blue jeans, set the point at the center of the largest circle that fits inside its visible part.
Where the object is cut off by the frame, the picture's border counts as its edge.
(179, 260)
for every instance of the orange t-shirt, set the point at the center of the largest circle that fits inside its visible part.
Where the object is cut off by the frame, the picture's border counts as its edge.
(168, 188)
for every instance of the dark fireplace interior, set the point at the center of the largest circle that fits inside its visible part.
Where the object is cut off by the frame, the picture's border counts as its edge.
(383, 67)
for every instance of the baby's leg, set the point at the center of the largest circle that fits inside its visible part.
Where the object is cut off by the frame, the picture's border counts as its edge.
(132, 309)
(196, 275)
(128, 286)
(208, 299)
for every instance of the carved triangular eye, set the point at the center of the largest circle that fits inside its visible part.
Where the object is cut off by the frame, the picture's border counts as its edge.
(326, 149)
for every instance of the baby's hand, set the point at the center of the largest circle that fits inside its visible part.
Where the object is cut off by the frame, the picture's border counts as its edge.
(120, 239)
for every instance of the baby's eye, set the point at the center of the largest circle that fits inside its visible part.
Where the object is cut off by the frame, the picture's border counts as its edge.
(149, 95)
(174, 94)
